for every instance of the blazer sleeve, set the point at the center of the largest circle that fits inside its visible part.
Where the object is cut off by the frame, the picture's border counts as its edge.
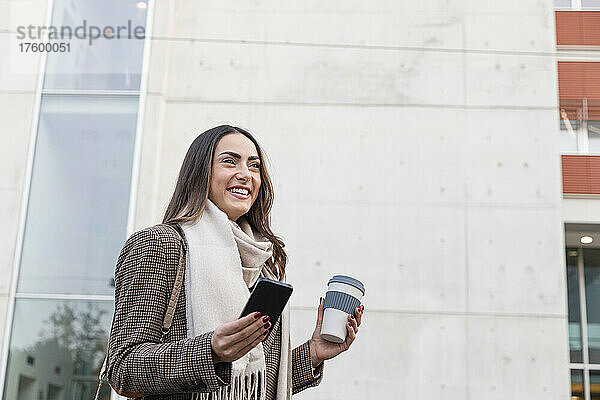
(303, 374)
(138, 362)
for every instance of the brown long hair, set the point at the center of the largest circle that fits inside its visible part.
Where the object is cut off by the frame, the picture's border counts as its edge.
(191, 191)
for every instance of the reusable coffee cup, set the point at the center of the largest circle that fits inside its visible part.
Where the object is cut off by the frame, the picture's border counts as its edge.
(344, 294)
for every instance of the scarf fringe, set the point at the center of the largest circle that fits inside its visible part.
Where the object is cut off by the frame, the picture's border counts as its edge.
(242, 388)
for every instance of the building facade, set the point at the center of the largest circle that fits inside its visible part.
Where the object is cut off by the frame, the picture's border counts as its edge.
(579, 100)
(414, 145)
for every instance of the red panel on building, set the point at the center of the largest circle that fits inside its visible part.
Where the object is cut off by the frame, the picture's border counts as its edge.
(581, 174)
(568, 28)
(578, 81)
(579, 94)
(577, 28)
(571, 80)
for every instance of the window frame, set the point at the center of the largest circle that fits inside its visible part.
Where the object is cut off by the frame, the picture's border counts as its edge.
(39, 92)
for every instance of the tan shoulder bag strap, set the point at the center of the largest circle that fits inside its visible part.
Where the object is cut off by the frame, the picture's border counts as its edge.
(176, 287)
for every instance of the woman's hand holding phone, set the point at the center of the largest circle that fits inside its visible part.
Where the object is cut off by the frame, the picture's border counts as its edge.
(232, 340)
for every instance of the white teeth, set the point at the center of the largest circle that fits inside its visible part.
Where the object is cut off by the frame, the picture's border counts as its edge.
(240, 191)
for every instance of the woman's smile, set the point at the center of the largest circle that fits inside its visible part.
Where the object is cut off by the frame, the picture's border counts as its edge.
(239, 192)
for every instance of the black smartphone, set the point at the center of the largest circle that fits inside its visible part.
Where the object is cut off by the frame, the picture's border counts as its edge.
(269, 297)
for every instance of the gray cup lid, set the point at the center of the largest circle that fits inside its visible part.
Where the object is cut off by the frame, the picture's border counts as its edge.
(348, 280)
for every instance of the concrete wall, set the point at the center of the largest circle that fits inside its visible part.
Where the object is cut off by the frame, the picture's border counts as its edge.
(412, 145)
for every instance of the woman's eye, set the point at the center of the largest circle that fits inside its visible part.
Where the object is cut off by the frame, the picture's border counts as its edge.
(228, 160)
(255, 165)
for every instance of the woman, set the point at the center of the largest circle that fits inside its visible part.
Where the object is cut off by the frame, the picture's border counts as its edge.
(220, 209)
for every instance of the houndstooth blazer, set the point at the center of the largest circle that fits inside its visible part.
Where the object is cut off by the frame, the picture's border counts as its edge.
(173, 367)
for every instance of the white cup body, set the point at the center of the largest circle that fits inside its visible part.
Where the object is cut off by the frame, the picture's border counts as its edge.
(334, 328)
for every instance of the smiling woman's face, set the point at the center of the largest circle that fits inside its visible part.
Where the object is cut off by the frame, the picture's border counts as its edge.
(235, 175)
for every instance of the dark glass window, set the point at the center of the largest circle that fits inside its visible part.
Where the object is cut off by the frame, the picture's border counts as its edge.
(575, 345)
(591, 262)
(576, 384)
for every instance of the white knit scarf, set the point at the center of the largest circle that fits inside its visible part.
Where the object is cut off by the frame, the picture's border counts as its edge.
(224, 259)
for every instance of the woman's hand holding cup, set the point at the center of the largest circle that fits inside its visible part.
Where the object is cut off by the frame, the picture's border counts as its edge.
(339, 316)
(232, 340)
(321, 349)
